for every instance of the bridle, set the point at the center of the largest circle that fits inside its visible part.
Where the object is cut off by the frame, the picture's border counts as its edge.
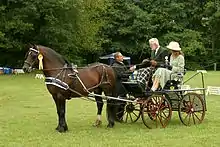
(32, 63)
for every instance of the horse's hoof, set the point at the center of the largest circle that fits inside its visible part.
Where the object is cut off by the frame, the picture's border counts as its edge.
(97, 123)
(62, 129)
(110, 125)
(65, 128)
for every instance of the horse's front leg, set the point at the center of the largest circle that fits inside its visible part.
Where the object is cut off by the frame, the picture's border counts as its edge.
(60, 102)
(99, 103)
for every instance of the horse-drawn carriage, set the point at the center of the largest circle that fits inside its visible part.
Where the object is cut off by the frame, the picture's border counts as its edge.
(155, 108)
(65, 81)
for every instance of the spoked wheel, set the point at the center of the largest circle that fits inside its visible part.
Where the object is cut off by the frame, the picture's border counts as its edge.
(131, 113)
(191, 109)
(156, 112)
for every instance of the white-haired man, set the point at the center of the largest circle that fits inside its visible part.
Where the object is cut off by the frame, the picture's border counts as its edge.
(158, 53)
(147, 67)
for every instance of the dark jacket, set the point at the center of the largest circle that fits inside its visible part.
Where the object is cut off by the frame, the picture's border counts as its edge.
(160, 56)
(121, 73)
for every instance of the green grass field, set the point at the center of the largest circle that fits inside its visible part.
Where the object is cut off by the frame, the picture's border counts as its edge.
(28, 118)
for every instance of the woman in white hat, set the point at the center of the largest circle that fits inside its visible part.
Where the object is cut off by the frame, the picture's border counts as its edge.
(176, 64)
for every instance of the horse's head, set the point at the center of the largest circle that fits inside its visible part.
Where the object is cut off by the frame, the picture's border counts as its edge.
(31, 59)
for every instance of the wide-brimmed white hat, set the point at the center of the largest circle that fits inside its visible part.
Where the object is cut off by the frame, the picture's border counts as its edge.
(174, 46)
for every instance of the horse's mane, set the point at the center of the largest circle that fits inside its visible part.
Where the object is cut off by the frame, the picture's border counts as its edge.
(62, 58)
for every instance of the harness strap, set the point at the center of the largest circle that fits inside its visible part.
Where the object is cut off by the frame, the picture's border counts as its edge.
(59, 83)
(104, 71)
(32, 49)
(56, 82)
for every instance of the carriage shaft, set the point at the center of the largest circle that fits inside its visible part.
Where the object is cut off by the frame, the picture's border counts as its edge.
(109, 97)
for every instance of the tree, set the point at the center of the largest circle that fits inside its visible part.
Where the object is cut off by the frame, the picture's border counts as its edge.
(132, 23)
(70, 27)
(211, 28)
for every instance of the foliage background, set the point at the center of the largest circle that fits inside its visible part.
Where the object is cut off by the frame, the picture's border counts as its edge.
(83, 30)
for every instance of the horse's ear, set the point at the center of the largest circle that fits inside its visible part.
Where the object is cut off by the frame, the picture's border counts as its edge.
(35, 46)
(29, 45)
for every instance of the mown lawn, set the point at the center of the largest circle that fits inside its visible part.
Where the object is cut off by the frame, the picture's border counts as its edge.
(28, 118)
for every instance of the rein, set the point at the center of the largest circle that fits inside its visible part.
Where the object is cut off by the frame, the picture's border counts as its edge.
(61, 68)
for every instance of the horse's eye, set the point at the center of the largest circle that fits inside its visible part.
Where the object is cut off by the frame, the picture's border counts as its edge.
(34, 55)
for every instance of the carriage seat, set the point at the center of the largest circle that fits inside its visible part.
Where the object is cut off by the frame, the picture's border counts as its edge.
(134, 88)
(178, 76)
(126, 77)
(176, 82)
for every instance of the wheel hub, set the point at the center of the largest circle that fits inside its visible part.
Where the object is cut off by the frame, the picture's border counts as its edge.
(130, 108)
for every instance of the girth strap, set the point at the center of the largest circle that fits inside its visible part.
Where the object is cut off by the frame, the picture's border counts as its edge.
(56, 82)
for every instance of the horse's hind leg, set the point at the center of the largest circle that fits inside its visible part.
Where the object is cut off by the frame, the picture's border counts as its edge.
(61, 108)
(99, 103)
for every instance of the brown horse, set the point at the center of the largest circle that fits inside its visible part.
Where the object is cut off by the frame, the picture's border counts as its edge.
(64, 81)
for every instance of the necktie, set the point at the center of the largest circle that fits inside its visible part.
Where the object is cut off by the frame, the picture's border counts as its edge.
(153, 54)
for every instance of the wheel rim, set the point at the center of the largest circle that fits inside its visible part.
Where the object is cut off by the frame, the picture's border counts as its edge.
(156, 112)
(191, 109)
(131, 113)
